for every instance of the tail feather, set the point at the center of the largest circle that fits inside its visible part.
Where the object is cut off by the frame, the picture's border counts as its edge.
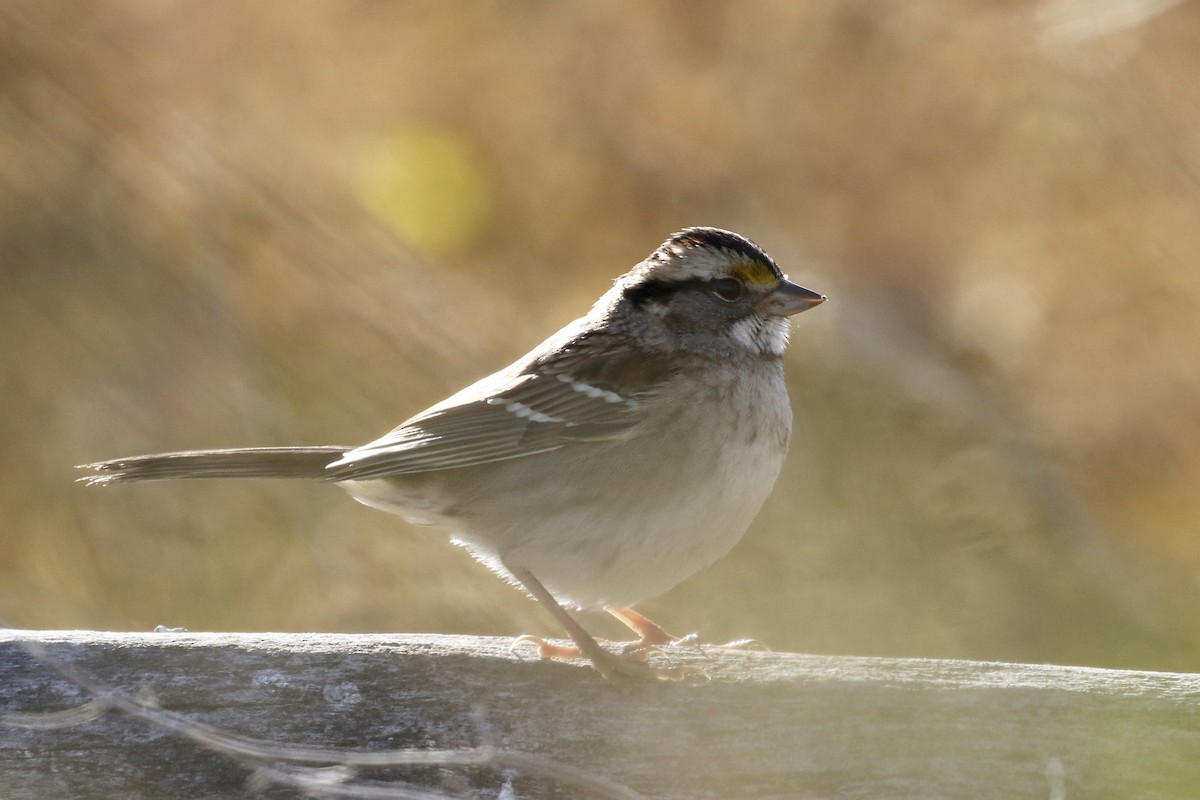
(242, 462)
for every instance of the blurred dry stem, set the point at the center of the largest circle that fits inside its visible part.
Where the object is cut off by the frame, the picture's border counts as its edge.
(998, 418)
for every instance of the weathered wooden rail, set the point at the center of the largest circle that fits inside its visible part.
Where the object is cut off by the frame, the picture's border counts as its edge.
(151, 715)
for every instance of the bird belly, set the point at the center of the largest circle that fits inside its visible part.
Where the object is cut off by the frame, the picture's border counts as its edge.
(606, 552)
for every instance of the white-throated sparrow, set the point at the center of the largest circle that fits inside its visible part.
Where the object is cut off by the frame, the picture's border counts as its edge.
(618, 457)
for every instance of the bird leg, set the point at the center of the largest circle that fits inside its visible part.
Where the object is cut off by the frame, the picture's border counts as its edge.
(615, 668)
(650, 633)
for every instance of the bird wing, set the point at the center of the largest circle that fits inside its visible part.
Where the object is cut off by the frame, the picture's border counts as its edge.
(567, 396)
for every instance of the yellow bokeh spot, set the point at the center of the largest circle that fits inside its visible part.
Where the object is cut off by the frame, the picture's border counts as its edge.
(427, 187)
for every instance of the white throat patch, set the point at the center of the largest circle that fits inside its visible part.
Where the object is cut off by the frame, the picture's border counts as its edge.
(761, 334)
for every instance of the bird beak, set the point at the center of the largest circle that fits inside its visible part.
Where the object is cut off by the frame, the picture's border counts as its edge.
(788, 298)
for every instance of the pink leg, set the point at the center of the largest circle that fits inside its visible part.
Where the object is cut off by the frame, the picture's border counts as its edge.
(614, 668)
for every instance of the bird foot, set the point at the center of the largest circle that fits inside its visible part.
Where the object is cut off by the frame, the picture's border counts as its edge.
(626, 666)
(652, 637)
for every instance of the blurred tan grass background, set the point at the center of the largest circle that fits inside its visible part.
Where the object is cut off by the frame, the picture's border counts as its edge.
(226, 224)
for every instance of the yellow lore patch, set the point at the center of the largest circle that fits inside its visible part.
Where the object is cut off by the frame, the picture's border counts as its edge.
(754, 273)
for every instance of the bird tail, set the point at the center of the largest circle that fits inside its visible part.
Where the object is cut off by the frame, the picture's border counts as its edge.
(242, 462)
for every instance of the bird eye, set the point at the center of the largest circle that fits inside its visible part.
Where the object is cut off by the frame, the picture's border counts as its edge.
(727, 289)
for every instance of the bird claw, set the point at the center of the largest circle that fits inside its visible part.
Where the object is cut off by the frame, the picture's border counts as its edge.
(693, 641)
(743, 644)
(547, 649)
